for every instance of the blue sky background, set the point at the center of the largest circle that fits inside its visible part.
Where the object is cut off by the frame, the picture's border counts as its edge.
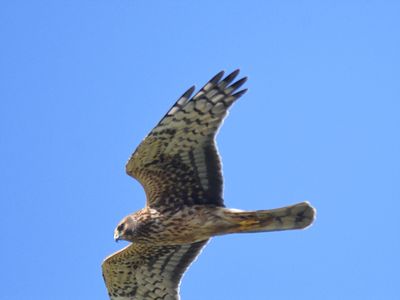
(82, 82)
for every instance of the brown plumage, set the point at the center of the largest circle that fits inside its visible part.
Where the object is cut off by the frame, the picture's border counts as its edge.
(180, 169)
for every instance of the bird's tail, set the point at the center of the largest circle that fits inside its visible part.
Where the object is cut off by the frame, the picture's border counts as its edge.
(296, 216)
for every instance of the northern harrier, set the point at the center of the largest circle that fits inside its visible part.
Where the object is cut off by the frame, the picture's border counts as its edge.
(180, 169)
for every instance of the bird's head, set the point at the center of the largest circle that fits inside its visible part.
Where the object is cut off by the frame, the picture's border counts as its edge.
(125, 229)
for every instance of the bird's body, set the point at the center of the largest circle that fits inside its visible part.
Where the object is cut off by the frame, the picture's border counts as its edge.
(200, 222)
(179, 167)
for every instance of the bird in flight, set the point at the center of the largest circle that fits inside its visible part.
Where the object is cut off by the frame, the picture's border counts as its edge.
(179, 168)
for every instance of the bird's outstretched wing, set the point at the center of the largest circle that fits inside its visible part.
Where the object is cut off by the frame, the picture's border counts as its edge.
(178, 162)
(148, 272)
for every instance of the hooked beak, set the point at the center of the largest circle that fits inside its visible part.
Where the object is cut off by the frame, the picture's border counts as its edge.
(116, 236)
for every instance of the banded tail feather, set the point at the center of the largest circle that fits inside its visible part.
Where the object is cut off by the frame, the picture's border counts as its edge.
(297, 216)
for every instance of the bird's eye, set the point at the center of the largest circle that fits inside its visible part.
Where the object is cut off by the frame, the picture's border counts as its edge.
(121, 227)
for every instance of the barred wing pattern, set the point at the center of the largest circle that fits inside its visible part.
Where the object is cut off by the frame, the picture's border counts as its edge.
(178, 162)
(148, 272)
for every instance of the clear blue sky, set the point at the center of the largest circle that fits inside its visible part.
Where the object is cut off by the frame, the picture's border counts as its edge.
(82, 82)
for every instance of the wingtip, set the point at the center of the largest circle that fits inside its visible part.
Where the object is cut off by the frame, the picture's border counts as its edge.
(240, 93)
(236, 72)
(229, 78)
(234, 86)
(217, 77)
(185, 96)
(190, 91)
